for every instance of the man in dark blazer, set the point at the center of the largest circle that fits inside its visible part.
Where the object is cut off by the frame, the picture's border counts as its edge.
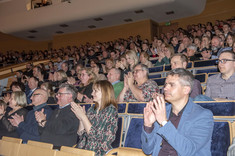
(61, 128)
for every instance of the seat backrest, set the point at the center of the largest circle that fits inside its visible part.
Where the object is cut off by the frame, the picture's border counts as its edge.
(221, 138)
(77, 151)
(206, 70)
(9, 148)
(11, 139)
(62, 153)
(222, 108)
(40, 144)
(30, 150)
(136, 107)
(160, 81)
(201, 77)
(122, 107)
(156, 69)
(205, 63)
(118, 139)
(133, 136)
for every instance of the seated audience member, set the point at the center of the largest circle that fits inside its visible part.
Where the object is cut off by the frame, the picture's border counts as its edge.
(207, 54)
(17, 86)
(61, 128)
(65, 68)
(217, 46)
(27, 127)
(109, 64)
(29, 70)
(141, 90)
(181, 61)
(222, 86)
(19, 75)
(114, 76)
(122, 65)
(59, 78)
(37, 72)
(98, 126)
(175, 43)
(191, 50)
(181, 127)
(16, 103)
(85, 89)
(144, 59)
(97, 70)
(131, 59)
(49, 89)
(32, 86)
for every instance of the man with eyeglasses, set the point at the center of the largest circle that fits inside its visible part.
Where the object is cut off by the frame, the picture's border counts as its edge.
(137, 86)
(28, 127)
(61, 128)
(222, 86)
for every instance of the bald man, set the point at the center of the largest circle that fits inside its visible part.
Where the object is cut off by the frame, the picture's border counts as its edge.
(28, 127)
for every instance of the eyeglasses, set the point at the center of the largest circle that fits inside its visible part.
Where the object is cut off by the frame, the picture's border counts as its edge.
(36, 94)
(137, 70)
(59, 94)
(223, 61)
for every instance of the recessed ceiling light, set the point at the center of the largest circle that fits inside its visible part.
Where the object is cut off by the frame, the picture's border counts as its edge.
(91, 26)
(139, 11)
(170, 12)
(64, 25)
(128, 20)
(59, 32)
(31, 36)
(33, 31)
(98, 19)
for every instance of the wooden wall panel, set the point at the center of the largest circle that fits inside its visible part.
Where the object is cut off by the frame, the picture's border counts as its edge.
(142, 28)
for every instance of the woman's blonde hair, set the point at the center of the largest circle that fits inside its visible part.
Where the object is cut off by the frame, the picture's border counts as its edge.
(63, 74)
(20, 98)
(108, 96)
(133, 56)
(91, 74)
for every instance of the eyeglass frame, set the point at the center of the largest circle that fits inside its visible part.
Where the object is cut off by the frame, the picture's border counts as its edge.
(36, 94)
(223, 61)
(59, 94)
(137, 70)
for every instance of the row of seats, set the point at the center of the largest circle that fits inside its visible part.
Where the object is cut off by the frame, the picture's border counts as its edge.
(13, 147)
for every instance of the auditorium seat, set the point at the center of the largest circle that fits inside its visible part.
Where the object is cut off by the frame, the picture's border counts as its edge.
(201, 77)
(125, 151)
(160, 81)
(206, 70)
(205, 63)
(136, 107)
(118, 139)
(210, 74)
(133, 136)
(11, 139)
(9, 148)
(156, 69)
(221, 138)
(30, 150)
(219, 108)
(122, 107)
(40, 144)
(155, 75)
(81, 152)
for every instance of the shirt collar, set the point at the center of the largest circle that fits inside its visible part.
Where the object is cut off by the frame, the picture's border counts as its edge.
(61, 107)
(35, 108)
(115, 82)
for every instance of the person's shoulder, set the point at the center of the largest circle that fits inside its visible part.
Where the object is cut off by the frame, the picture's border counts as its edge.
(213, 77)
(202, 111)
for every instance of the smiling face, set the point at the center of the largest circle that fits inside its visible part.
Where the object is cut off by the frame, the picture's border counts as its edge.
(12, 102)
(84, 77)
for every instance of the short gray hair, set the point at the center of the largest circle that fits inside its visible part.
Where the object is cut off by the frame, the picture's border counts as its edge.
(143, 67)
(186, 77)
(193, 47)
(71, 89)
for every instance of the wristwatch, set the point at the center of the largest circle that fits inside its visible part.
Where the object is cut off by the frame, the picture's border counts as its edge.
(163, 123)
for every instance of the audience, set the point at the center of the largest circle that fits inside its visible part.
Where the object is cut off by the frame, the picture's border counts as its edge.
(98, 126)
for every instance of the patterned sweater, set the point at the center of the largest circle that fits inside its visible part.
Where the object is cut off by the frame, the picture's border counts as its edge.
(102, 132)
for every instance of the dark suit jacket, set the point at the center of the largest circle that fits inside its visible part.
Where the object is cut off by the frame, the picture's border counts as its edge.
(61, 128)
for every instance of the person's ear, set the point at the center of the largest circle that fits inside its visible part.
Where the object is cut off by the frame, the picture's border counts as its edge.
(186, 90)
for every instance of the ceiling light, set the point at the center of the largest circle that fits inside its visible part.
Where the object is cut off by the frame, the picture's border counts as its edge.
(59, 32)
(98, 19)
(170, 12)
(91, 26)
(128, 20)
(139, 11)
